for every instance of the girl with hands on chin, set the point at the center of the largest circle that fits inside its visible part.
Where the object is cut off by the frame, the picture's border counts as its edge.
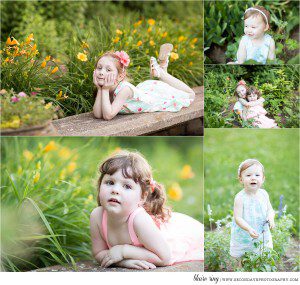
(116, 95)
(132, 227)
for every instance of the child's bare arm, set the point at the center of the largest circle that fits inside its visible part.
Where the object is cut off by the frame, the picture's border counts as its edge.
(271, 55)
(99, 246)
(110, 110)
(238, 217)
(241, 53)
(155, 250)
(97, 108)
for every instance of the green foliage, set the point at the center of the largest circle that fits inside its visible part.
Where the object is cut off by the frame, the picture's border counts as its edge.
(279, 87)
(264, 261)
(217, 247)
(49, 190)
(224, 26)
(24, 112)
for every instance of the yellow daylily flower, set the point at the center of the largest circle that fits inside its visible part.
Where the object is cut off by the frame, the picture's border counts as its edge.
(11, 41)
(44, 63)
(29, 39)
(175, 192)
(174, 55)
(116, 40)
(71, 167)
(152, 43)
(149, 30)
(36, 177)
(81, 56)
(151, 22)
(65, 153)
(28, 155)
(47, 106)
(119, 32)
(139, 43)
(84, 45)
(181, 38)
(55, 69)
(186, 172)
(164, 34)
(194, 40)
(50, 146)
(47, 58)
(59, 95)
(137, 23)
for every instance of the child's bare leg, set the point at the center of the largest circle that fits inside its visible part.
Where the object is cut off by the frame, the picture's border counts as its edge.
(176, 83)
(163, 57)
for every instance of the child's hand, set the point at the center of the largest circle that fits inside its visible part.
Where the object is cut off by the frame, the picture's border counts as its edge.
(114, 255)
(136, 264)
(95, 81)
(253, 233)
(271, 224)
(109, 81)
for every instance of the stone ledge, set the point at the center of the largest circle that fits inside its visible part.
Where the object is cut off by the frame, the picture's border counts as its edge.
(130, 125)
(93, 266)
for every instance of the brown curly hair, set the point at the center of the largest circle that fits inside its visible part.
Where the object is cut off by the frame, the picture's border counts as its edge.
(135, 167)
(252, 90)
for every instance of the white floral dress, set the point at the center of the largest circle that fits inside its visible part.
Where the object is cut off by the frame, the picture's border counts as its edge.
(153, 96)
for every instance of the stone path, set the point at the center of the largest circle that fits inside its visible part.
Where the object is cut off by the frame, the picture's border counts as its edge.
(130, 125)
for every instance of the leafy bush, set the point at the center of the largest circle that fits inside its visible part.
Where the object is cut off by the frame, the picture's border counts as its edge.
(21, 110)
(278, 86)
(224, 27)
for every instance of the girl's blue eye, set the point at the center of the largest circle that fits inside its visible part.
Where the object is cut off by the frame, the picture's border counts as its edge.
(109, 182)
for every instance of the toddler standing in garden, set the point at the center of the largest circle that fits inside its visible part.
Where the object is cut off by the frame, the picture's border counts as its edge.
(256, 44)
(116, 95)
(253, 212)
(132, 227)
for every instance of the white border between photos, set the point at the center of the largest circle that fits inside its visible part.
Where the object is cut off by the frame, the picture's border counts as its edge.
(132, 278)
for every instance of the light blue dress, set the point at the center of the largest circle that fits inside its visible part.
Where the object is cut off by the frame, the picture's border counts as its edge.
(238, 107)
(260, 53)
(153, 96)
(255, 213)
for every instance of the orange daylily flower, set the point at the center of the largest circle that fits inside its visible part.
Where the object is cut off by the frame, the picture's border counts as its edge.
(11, 41)
(55, 69)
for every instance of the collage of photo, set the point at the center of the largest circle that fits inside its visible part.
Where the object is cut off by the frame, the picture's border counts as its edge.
(153, 136)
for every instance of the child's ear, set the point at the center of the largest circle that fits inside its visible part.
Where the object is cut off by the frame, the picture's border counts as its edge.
(267, 27)
(241, 180)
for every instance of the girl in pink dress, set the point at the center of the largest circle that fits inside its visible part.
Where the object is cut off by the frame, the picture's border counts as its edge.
(258, 112)
(132, 227)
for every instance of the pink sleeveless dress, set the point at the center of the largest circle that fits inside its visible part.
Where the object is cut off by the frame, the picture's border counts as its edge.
(184, 235)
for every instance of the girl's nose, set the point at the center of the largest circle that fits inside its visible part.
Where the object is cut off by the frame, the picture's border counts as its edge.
(115, 190)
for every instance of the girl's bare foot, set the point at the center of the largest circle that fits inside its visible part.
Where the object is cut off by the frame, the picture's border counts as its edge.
(154, 68)
(163, 57)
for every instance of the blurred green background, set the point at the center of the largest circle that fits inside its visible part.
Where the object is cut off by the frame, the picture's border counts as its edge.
(49, 191)
(277, 150)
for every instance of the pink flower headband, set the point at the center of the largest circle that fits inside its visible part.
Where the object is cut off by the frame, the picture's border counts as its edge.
(123, 57)
(152, 185)
(242, 82)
